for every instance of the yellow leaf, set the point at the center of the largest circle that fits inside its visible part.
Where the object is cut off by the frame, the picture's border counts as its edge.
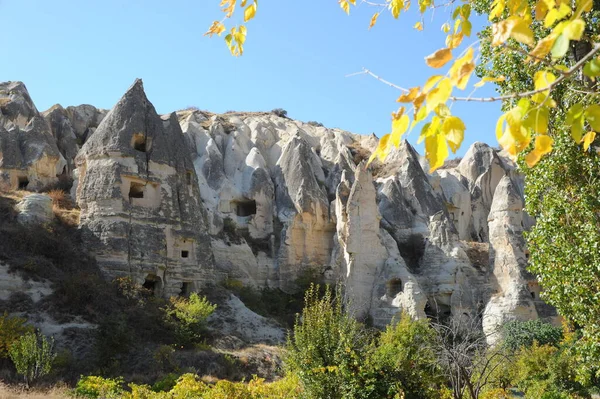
(454, 129)
(454, 40)
(439, 95)
(250, 12)
(436, 151)
(501, 31)
(446, 27)
(382, 149)
(489, 79)
(216, 28)
(345, 6)
(243, 3)
(583, 6)
(541, 9)
(236, 39)
(400, 123)
(592, 115)
(588, 139)
(431, 82)
(543, 47)
(373, 20)
(537, 119)
(430, 129)
(439, 58)
(543, 145)
(420, 115)
(228, 7)
(497, 9)
(461, 70)
(574, 29)
(541, 80)
(395, 7)
(418, 26)
(409, 97)
(522, 33)
(419, 101)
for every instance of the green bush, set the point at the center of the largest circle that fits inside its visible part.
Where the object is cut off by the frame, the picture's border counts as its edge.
(11, 329)
(32, 356)
(517, 334)
(99, 387)
(188, 317)
(403, 361)
(327, 348)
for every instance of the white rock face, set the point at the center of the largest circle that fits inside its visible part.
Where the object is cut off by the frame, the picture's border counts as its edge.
(35, 208)
(268, 200)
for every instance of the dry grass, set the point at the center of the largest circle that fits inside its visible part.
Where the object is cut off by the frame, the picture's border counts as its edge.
(57, 392)
(60, 199)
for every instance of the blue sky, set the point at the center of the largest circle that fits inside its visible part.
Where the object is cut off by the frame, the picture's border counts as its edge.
(297, 57)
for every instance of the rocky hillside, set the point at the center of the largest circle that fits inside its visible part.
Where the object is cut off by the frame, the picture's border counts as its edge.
(180, 201)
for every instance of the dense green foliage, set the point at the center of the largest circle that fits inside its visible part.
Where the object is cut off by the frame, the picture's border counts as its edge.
(32, 356)
(517, 334)
(561, 191)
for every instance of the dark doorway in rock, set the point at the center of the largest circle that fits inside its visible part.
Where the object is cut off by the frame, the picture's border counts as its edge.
(188, 178)
(136, 190)
(412, 250)
(185, 254)
(393, 287)
(153, 284)
(186, 288)
(23, 183)
(245, 207)
(533, 294)
(139, 143)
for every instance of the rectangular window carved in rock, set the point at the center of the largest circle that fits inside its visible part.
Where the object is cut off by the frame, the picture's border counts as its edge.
(136, 190)
(185, 254)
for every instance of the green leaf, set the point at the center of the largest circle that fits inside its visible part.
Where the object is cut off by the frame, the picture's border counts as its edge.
(560, 47)
(592, 68)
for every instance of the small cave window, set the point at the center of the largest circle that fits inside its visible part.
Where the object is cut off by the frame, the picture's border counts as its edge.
(245, 207)
(185, 254)
(23, 183)
(153, 284)
(139, 142)
(527, 254)
(393, 287)
(188, 178)
(186, 288)
(533, 294)
(136, 190)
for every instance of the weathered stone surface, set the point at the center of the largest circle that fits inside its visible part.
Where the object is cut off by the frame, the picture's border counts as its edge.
(141, 210)
(35, 208)
(268, 200)
(29, 155)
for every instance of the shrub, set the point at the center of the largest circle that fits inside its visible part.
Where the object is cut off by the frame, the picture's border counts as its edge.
(403, 361)
(113, 340)
(60, 199)
(315, 123)
(99, 387)
(327, 347)
(32, 356)
(523, 333)
(188, 316)
(11, 329)
(166, 383)
(282, 113)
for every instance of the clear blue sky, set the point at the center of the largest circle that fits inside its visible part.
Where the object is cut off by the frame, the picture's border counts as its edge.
(297, 57)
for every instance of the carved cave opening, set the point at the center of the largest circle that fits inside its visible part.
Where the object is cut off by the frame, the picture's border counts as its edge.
(153, 283)
(140, 142)
(136, 190)
(186, 288)
(412, 250)
(244, 207)
(23, 183)
(185, 254)
(393, 287)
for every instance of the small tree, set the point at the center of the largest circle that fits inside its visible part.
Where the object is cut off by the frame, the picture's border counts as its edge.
(189, 316)
(327, 348)
(517, 334)
(32, 355)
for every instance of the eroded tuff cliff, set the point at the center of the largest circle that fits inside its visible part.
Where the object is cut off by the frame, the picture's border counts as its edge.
(189, 198)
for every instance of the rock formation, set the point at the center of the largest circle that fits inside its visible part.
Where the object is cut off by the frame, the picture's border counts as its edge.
(141, 211)
(193, 197)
